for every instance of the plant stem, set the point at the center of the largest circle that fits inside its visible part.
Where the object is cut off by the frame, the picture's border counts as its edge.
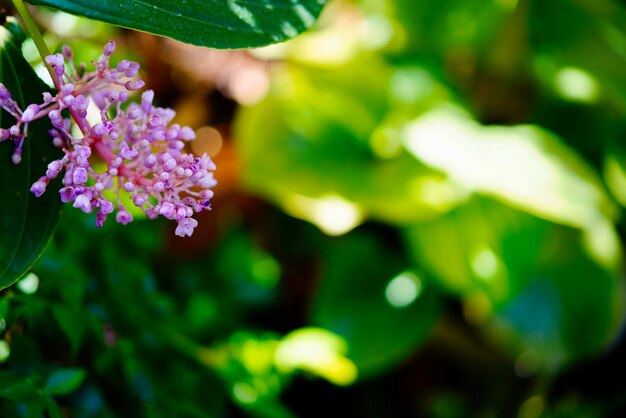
(32, 28)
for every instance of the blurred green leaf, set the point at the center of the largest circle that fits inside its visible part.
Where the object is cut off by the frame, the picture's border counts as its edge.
(53, 409)
(64, 381)
(26, 221)
(579, 49)
(367, 297)
(72, 322)
(449, 26)
(481, 246)
(531, 280)
(524, 166)
(332, 154)
(23, 391)
(235, 24)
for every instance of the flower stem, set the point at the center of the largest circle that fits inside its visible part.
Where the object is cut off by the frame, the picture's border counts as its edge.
(32, 28)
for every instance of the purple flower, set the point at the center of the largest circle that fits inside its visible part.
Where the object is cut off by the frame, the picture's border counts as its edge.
(83, 202)
(144, 155)
(167, 209)
(79, 176)
(123, 216)
(186, 227)
(29, 113)
(39, 187)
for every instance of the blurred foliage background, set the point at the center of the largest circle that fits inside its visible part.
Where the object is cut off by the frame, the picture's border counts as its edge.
(419, 214)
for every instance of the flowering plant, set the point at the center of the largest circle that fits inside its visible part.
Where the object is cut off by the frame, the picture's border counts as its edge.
(107, 154)
(143, 153)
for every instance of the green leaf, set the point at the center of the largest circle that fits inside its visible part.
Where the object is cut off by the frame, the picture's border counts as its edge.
(383, 311)
(26, 222)
(436, 26)
(583, 65)
(481, 247)
(64, 381)
(332, 153)
(530, 282)
(72, 322)
(212, 23)
(53, 409)
(23, 391)
(523, 166)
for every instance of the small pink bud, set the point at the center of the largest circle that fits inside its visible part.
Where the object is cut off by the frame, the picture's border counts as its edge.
(187, 134)
(123, 216)
(106, 207)
(55, 60)
(30, 113)
(167, 209)
(158, 187)
(109, 48)
(67, 52)
(138, 201)
(80, 176)
(169, 164)
(150, 161)
(67, 89)
(129, 186)
(135, 85)
(39, 187)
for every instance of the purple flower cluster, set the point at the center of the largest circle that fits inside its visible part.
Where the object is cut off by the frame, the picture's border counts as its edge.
(131, 150)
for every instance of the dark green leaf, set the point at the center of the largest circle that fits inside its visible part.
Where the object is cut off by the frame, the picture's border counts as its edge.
(72, 322)
(22, 391)
(53, 409)
(382, 310)
(212, 23)
(64, 381)
(26, 222)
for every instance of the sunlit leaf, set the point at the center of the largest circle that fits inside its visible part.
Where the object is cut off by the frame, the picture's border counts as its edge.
(316, 351)
(523, 166)
(332, 154)
(26, 222)
(367, 297)
(212, 23)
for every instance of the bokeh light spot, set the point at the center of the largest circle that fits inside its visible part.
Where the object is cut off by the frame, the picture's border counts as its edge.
(208, 141)
(63, 24)
(332, 214)
(266, 271)
(403, 289)
(485, 263)
(576, 85)
(244, 393)
(29, 284)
